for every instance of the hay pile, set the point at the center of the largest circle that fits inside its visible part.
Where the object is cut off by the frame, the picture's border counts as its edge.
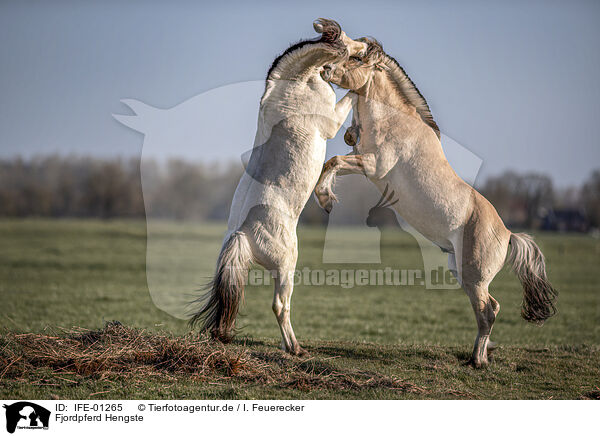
(117, 350)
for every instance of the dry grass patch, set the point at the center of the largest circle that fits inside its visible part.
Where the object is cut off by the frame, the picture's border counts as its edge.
(118, 350)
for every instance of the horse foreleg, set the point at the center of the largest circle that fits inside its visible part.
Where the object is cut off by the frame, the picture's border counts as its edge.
(340, 113)
(339, 165)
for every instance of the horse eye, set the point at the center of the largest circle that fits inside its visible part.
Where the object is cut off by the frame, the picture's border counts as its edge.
(356, 59)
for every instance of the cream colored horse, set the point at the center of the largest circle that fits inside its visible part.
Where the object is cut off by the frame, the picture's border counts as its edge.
(298, 113)
(397, 143)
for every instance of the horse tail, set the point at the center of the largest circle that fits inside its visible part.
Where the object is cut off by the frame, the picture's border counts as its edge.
(529, 265)
(226, 291)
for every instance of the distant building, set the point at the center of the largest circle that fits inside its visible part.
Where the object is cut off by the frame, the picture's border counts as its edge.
(565, 220)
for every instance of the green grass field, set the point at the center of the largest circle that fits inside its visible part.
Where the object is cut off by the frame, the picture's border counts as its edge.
(61, 274)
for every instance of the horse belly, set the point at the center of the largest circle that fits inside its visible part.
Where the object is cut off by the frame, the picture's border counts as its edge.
(431, 211)
(287, 195)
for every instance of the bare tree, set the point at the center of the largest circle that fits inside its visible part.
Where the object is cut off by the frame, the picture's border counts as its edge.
(57, 186)
(519, 198)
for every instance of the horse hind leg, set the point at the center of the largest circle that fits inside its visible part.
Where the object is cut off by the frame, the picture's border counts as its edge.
(282, 298)
(283, 260)
(480, 252)
(484, 305)
(486, 308)
(275, 247)
(492, 346)
(495, 305)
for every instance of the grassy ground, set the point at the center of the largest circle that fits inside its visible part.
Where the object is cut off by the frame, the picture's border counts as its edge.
(381, 338)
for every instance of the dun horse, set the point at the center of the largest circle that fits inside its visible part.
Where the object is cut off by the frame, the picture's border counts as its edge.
(298, 113)
(397, 143)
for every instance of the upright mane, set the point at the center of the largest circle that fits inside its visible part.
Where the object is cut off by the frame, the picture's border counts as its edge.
(330, 35)
(411, 92)
(406, 86)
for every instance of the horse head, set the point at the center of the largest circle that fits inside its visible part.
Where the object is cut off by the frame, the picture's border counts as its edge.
(354, 72)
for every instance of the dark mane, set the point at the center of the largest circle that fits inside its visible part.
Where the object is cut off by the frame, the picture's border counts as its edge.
(406, 86)
(417, 100)
(330, 35)
(290, 49)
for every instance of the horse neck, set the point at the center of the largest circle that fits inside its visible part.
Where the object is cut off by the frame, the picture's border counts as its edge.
(304, 63)
(286, 94)
(381, 94)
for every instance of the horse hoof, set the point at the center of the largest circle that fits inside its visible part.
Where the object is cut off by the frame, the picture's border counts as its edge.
(324, 200)
(350, 137)
(299, 352)
(478, 364)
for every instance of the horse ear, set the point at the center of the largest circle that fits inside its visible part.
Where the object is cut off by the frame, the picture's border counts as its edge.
(318, 26)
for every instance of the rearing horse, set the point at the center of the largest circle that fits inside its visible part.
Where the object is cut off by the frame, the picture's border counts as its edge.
(397, 143)
(298, 113)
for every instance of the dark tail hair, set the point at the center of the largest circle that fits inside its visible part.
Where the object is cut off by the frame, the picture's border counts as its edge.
(529, 265)
(226, 291)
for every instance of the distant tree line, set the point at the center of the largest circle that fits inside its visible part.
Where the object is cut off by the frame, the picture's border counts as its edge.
(531, 201)
(56, 186)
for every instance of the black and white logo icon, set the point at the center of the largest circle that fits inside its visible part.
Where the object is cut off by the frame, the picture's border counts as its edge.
(26, 415)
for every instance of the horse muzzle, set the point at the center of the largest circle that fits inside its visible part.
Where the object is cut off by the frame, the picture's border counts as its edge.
(327, 72)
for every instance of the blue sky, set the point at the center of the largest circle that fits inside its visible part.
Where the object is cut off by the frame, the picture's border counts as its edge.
(514, 82)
